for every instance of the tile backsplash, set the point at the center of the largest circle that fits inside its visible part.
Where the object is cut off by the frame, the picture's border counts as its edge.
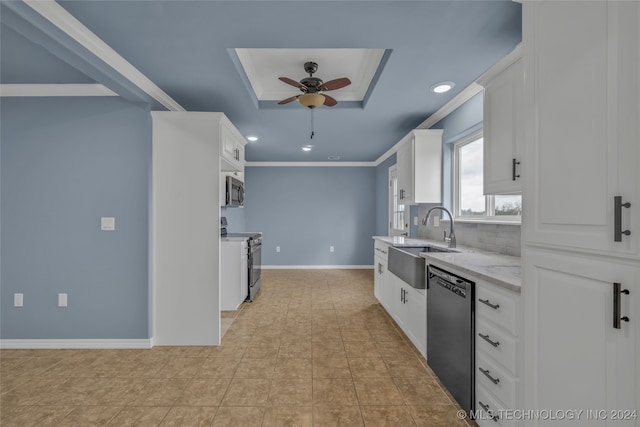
(501, 238)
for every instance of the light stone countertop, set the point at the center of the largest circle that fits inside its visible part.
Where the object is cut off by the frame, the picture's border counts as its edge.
(501, 270)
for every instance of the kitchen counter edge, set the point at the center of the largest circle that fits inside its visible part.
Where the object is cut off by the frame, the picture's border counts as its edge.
(470, 261)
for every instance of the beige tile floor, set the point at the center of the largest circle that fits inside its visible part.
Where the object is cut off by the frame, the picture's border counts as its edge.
(314, 349)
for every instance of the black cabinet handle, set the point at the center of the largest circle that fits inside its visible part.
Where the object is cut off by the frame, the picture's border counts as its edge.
(617, 218)
(514, 165)
(617, 296)
(487, 339)
(488, 375)
(488, 410)
(486, 302)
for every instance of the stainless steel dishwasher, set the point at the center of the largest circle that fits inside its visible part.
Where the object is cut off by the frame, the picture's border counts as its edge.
(450, 333)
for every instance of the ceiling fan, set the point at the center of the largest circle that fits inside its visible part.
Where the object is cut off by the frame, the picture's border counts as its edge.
(311, 88)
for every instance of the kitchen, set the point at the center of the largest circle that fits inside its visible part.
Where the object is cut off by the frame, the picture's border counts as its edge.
(305, 211)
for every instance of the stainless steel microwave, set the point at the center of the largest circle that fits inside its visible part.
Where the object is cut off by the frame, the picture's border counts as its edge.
(235, 192)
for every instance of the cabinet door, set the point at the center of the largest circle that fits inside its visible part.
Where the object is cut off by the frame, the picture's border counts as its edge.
(574, 356)
(416, 318)
(404, 160)
(378, 278)
(231, 148)
(504, 131)
(581, 109)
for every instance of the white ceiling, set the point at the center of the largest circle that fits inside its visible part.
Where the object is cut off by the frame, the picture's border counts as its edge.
(263, 67)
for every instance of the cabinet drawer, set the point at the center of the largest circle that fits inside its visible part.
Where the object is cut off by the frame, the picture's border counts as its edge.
(496, 344)
(499, 307)
(496, 380)
(489, 412)
(381, 249)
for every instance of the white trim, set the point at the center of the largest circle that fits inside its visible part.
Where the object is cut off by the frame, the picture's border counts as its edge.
(466, 94)
(77, 344)
(500, 66)
(317, 267)
(20, 90)
(66, 22)
(305, 164)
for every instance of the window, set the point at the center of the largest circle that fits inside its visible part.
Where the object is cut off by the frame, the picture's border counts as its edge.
(470, 202)
(397, 223)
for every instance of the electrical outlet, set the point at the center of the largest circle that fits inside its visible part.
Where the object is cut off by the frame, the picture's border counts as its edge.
(62, 300)
(330, 248)
(277, 248)
(415, 220)
(436, 220)
(18, 300)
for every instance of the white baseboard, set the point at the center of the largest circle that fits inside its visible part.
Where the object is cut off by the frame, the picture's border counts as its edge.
(317, 267)
(77, 344)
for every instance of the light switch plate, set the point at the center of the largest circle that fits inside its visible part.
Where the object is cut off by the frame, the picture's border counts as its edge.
(415, 220)
(62, 300)
(18, 300)
(436, 220)
(107, 223)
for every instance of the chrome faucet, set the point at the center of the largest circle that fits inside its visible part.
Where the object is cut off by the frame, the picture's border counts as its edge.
(452, 236)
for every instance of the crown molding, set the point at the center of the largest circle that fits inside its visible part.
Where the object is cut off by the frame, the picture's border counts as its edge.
(20, 90)
(67, 23)
(310, 164)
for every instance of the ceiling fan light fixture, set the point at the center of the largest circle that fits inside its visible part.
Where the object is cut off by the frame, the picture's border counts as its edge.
(311, 100)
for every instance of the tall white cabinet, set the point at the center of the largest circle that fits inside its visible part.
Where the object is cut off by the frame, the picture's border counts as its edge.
(186, 164)
(582, 149)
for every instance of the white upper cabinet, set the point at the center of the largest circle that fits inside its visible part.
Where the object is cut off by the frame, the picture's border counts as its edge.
(582, 149)
(231, 147)
(419, 165)
(504, 131)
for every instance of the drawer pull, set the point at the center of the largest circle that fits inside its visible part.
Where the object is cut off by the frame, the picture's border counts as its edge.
(488, 410)
(487, 302)
(486, 374)
(487, 339)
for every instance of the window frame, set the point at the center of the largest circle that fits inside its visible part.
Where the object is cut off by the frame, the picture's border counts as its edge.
(489, 200)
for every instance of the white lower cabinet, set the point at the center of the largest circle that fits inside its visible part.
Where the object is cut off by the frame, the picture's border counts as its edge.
(234, 284)
(408, 307)
(577, 355)
(497, 354)
(380, 270)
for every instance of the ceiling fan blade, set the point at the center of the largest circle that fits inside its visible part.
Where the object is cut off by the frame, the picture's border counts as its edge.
(288, 100)
(292, 82)
(335, 84)
(329, 101)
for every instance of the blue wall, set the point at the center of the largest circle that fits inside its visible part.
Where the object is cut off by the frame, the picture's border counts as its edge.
(304, 210)
(235, 219)
(65, 162)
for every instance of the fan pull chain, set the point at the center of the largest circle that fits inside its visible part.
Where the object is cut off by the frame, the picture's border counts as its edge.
(312, 124)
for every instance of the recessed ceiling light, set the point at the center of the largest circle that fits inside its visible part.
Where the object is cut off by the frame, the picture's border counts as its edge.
(252, 138)
(442, 87)
(307, 148)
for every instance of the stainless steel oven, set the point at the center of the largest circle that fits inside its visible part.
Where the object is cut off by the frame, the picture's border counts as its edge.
(255, 266)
